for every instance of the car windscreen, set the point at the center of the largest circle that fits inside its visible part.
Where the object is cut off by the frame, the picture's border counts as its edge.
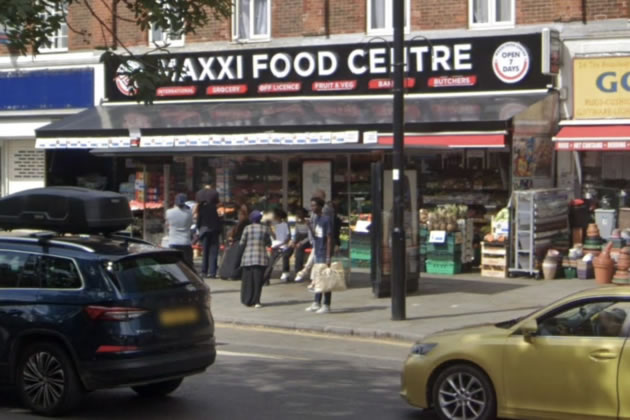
(150, 272)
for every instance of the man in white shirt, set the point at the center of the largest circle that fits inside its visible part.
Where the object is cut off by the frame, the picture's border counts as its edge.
(179, 220)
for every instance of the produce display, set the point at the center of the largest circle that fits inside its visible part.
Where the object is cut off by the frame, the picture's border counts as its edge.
(443, 217)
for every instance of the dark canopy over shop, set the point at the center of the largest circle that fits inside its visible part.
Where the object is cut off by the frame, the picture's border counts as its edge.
(444, 114)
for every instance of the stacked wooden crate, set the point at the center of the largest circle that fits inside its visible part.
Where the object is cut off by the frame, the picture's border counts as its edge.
(494, 262)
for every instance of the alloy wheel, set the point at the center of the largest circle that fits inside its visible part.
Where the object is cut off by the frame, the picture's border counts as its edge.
(462, 396)
(44, 380)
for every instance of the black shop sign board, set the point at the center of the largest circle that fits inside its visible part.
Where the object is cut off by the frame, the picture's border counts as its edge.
(495, 63)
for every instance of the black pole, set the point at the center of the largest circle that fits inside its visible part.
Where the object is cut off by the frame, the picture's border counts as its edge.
(399, 266)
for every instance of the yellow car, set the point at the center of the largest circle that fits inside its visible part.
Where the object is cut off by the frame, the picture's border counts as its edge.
(566, 361)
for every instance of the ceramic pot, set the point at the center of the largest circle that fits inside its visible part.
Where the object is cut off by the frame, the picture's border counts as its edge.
(549, 268)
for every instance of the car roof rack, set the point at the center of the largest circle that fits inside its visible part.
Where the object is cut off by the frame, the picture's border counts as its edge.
(45, 239)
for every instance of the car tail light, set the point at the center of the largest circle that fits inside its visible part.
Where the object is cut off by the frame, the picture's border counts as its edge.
(106, 313)
(115, 349)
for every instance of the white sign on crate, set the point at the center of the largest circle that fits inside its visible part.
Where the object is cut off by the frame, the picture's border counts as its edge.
(437, 236)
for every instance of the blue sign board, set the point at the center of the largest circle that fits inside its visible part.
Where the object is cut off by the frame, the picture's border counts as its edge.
(47, 89)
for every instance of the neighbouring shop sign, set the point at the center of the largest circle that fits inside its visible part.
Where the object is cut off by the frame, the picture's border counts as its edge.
(496, 63)
(601, 87)
(593, 145)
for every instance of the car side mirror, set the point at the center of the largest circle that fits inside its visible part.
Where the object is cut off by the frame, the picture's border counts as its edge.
(529, 329)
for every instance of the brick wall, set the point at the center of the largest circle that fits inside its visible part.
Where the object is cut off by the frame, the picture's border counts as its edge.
(607, 9)
(314, 17)
(294, 18)
(286, 18)
(439, 14)
(347, 16)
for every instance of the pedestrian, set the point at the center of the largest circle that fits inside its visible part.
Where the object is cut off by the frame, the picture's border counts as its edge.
(179, 220)
(255, 239)
(301, 239)
(327, 210)
(231, 262)
(209, 226)
(322, 250)
(280, 245)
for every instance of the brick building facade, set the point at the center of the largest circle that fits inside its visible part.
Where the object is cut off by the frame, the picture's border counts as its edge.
(585, 26)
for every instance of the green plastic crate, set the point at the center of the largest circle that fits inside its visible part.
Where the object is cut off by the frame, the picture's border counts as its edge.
(444, 255)
(444, 267)
(451, 247)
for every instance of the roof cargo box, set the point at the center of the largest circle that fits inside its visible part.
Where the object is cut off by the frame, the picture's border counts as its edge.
(65, 210)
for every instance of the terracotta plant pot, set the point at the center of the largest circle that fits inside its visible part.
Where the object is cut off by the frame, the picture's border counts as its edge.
(592, 230)
(604, 266)
(603, 274)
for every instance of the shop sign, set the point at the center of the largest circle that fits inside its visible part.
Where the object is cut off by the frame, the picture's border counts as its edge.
(511, 62)
(592, 145)
(461, 65)
(601, 87)
(551, 51)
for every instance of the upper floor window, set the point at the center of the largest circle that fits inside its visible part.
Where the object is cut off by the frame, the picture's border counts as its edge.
(250, 20)
(160, 36)
(59, 40)
(381, 18)
(491, 13)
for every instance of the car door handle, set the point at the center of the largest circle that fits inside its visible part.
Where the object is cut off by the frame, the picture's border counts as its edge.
(602, 355)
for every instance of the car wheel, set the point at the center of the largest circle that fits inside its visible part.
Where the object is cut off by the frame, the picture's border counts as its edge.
(158, 389)
(464, 392)
(46, 380)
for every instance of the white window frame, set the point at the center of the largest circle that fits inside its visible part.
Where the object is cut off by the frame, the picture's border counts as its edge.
(389, 18)
(492, 23)
(59, 35)
(252, 38)
(166, 40)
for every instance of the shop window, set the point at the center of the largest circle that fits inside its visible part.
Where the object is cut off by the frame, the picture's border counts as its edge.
(162, 36)
(491, 13)
(380, 18)
(251, 20)
(59, 40)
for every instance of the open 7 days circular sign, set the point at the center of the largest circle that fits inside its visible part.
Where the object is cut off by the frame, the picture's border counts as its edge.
(511, 62)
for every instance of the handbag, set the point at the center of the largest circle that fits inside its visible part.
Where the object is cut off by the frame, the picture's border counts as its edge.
(329, 279)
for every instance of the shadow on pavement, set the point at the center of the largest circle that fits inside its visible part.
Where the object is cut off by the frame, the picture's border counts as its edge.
(436, 286)
(359, 309)
(527, 308)
(285, 302)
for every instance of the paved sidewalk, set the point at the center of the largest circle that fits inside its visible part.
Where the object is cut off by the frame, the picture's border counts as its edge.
(443, 302)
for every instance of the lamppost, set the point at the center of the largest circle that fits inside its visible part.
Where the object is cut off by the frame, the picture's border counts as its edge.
(399, 265)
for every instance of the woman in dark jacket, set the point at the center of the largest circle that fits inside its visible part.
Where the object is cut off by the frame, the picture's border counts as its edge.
(255, 239)
(231, 264)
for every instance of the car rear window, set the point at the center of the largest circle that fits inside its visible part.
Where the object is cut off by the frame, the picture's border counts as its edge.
(146, 273)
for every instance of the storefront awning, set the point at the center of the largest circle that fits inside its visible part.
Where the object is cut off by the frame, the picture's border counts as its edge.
(459, 140)
(593, 137)
(254, 124)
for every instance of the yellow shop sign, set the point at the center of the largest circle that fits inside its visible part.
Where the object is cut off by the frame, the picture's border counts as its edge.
(601, 87)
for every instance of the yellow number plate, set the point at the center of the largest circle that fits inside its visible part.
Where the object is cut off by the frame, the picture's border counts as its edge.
(175, 317)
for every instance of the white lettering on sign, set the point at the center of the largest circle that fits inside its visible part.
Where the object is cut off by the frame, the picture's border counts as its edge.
(510, 62)
(419, 53)
(302, 59)
(327, 63)
(355, 68)
(259, 63)
(283, 70)
(377, 61)
(441, 57)
(461, 57)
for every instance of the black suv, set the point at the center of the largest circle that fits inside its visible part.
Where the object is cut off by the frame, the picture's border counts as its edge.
(83, 312)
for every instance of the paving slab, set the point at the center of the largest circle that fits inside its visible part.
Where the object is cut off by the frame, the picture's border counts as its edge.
(442, 303)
